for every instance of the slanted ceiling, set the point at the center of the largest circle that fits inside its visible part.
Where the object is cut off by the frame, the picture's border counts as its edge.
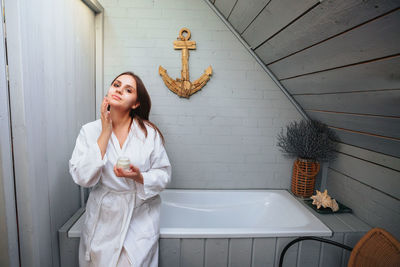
(340, 60)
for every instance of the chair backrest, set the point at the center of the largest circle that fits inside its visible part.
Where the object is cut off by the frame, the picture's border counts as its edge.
(376, 248)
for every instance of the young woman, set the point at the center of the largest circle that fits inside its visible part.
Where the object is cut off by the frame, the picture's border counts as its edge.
(121, 227)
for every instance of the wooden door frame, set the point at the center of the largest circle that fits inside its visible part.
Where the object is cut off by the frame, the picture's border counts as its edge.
(99, 67)
(99, 44)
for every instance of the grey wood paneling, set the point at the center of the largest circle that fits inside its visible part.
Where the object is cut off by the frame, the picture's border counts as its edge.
(240, 250)
(371, 156)
(332, 255)
(375, 75)
(323, 21)
(8, 215)
(385, 126)
(309, 253)
(264, 252)
(375, 143)
(366, 173)
(192, 252)
(375, 207)
(69, 246)
(225, 6)
(216, 252)
(170, 252)
(51, 62)
(245, 12)
(375, 39)
(291, 254)
(350, 240)
(273, 18)
(384, 103)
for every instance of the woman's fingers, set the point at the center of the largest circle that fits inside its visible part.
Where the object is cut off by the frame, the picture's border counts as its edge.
(133, 168)
(117, 171)
(105, 104)
(105, 114)
(122, 173)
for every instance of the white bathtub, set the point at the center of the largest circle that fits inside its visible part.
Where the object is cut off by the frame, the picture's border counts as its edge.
(235, 213)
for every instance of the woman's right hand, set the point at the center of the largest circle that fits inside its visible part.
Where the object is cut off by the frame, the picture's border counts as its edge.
(106, 122)
(106, 125)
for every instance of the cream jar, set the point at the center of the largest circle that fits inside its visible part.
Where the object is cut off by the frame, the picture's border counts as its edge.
(123, 162)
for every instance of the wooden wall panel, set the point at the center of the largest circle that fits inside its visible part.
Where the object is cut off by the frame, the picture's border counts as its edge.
(375, 75)
(169, 251)
(216, 252)
(369, 203)
(319, 49)
(384, 103)
(225, 6)
(372, 40)
(332, 255)
(371, 156)
(192, 252)
(291, 254)
(273, 18)
(368, 141)
(322, 22)
(309, 252)
(245, 12)
(51, 49)
(240, 250)
(384, 126)
(264, 252)
(366, 172)
(8, 213)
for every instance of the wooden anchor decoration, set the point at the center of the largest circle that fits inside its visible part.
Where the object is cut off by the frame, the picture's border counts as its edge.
(183, 87)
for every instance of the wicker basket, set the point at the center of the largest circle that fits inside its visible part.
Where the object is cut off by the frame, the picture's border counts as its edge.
(303, 177)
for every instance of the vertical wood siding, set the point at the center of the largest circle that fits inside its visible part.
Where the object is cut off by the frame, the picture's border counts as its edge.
(52, 90)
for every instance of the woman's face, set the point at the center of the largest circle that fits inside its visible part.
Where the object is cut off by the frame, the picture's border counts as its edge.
(123, 93)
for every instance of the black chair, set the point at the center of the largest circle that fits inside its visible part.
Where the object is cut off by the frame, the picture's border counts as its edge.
(377, 248)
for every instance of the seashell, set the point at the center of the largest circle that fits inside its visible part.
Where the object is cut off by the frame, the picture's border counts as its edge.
(324, 200)
(334, 205)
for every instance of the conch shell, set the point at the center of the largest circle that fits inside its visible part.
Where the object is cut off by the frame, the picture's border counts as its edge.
(324, 200)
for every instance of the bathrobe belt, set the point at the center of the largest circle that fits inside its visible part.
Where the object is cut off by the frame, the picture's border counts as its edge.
(104, 190)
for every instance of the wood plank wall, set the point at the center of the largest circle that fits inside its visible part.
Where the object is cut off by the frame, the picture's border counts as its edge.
(369, 183)
(340, 60)
(51, 57)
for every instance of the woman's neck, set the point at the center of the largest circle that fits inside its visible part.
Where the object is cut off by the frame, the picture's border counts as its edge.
(120, 119)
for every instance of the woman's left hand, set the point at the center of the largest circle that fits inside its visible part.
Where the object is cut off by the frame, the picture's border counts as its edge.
(133, 173)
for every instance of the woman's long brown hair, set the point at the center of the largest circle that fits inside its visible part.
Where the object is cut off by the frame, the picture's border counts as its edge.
(142, 112)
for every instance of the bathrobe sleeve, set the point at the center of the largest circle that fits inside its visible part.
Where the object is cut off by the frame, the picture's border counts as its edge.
(159, 174)
(86, 164)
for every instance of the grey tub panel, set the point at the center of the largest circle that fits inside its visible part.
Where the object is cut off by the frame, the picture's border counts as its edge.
(192, 252)
(332, 255)
(216, 252)
(264, 252)
(240, 252)
(169, 252)
(309, 253)
(255, 252)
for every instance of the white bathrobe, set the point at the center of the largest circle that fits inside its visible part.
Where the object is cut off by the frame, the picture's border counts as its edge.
(119, 211)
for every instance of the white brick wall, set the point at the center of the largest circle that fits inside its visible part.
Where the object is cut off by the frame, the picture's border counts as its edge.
(223, 136)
